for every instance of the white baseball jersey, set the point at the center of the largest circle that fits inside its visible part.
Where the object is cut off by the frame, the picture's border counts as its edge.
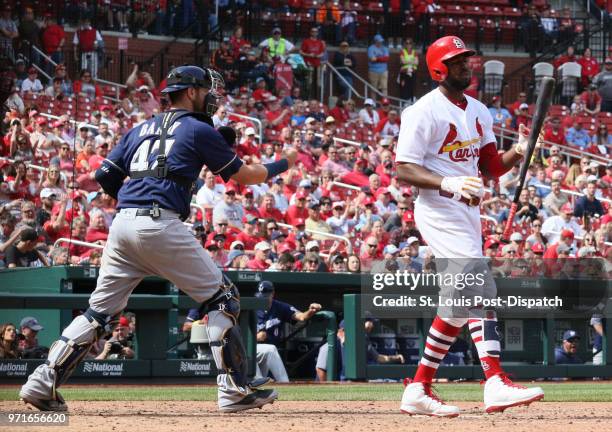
(446, 140)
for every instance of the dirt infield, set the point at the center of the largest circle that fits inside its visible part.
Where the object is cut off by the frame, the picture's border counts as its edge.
(285, 416)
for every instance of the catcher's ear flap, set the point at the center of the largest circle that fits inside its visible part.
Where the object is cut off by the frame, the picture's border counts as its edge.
(229, 134)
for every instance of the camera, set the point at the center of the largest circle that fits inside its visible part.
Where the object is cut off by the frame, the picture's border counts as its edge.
(116, 347)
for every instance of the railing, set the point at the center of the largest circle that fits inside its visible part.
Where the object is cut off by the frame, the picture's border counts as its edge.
(321, 233)
(577, 237)
(346, 186)
(254, 120)
(36, 167)
(489, 218)
(341, 140)
(570, 192)
(77, 242)
(41, 71)
(339, 76)
(368, 88)
(54, 117)
(117, 86)
(568, 151)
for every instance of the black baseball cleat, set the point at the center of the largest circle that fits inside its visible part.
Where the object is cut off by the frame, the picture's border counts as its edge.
(57, 404)
(257, 399)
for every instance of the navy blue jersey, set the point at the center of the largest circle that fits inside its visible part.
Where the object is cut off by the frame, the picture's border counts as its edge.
(190, 143)
(561, 357)
(271, 321)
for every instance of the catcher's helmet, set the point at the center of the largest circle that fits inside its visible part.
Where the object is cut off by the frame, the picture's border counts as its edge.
(441, 50)
(188, 76)
(264, 289)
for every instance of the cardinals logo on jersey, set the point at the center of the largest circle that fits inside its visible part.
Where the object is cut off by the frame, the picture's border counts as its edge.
(460, 151)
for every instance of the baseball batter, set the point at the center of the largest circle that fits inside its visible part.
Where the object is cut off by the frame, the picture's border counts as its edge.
(162, 158)
(445, 139)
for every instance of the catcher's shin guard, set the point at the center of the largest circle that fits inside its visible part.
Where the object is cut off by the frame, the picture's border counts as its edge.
(224, 335)
(76, 340)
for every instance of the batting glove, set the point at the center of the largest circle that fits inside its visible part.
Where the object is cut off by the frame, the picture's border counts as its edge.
(523, 140)
(468, 187)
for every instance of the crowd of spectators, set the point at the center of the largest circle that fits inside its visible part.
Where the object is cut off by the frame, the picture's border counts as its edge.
(343, 185)
(22, 342)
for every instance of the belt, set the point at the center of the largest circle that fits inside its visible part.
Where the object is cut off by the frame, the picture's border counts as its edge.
(153, 213)
(471, 202)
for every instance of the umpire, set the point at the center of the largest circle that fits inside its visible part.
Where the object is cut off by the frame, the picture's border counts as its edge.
(162, 158)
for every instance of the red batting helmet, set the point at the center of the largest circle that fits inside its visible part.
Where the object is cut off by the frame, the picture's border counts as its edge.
(441, 50)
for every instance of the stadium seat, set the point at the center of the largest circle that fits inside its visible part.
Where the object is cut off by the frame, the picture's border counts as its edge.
(492, 11)
(511, 12)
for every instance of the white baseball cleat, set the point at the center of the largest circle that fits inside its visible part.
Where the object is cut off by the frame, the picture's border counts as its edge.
(501, 393)
(419, 399)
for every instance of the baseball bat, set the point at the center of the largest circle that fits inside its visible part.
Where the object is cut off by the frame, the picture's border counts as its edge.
(547, 88)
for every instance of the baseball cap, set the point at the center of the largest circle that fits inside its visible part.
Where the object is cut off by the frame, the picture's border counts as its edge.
(141, 88)
(516, 236)
(385, 101)
(382, 191)
(390, 249)
(608, 60)
(248, 191)
(491, 243)
(368, 201)
(567, 208)
(232, 255)
(310, 120)
(249, 131)
(276, 235)
(301, 195)
(47, 193)
(570, 334)
(229, 188)
(537, 248)
(249, 218)
(406, 191)
(299, 222)
(330, 119)
(285, 247)
(495, 99)
(210, 243)
(523, 106)
(305, 183)
(124, 322)
(90, 196)
(567, 233)
(314, 205)
(412, 239)
(276, 30)
(236, 243)
(263, 246)
(264, 289)
(31, 323)
(408, 216)
(370, 102)
(312, 244)
(378, 38)
(338, 204)
(41, 120)
(32, 70)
